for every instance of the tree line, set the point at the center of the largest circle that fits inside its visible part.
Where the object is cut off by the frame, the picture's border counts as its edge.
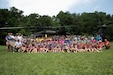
(64, 23)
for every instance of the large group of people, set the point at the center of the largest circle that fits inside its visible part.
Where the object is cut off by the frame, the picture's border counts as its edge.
(67, 43)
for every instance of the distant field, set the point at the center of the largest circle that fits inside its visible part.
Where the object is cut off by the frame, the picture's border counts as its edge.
(56, 63)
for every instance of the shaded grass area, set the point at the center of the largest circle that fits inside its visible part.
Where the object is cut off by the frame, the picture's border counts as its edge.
(97, 63)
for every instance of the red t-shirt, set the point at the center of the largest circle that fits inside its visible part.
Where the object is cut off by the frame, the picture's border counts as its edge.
(107, 43)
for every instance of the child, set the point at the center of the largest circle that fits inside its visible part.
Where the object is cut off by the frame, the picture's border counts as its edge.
(106, 44)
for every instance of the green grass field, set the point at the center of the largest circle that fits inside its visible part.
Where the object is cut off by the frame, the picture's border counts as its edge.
(96, 63)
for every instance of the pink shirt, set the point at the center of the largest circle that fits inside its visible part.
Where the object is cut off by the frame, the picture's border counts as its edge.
(61, 41)
(93, 41)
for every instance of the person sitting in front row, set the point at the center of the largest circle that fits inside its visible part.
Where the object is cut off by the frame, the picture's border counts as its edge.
(18, 46)
(106, 44)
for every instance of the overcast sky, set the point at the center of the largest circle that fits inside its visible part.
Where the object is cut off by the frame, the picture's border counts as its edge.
(52, 7)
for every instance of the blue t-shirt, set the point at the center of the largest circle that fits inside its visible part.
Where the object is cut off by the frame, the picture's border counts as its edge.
(8, 38)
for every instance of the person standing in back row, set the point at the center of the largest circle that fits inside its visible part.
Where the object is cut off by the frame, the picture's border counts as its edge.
(8, 39)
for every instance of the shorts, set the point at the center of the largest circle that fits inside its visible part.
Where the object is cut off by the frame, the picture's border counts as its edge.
(7, 43)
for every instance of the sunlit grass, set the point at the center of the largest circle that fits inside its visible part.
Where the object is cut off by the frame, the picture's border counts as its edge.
(97, 63)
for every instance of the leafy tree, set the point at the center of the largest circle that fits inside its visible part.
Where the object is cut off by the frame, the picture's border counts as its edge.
(71, 23)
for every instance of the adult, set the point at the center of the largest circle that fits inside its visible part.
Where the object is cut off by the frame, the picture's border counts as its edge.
(8, 39)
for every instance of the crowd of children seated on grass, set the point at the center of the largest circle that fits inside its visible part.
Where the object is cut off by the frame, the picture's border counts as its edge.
(74, 43)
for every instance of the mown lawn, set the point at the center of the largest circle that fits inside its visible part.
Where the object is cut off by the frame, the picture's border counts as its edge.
(97, 63)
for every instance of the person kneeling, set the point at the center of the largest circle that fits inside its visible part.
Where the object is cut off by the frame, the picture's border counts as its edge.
(18, 46)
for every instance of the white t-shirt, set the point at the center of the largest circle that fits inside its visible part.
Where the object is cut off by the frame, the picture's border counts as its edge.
(20, 38)
(13, 37)
(18, 44)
